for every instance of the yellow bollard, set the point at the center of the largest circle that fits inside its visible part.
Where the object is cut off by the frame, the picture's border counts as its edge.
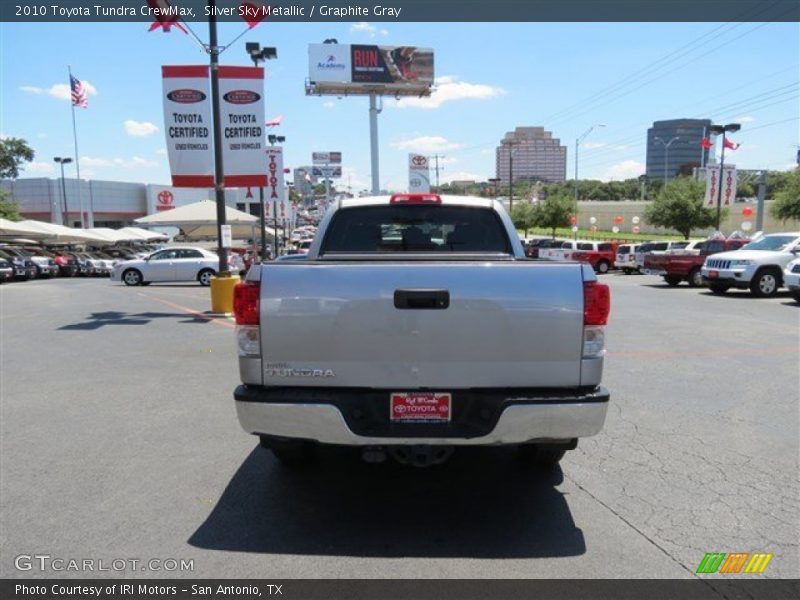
(222, 294)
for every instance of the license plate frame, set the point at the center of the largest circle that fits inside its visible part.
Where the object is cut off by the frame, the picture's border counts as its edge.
(420, 407)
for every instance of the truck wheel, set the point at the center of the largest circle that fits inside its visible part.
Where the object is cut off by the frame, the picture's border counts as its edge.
(290, 453)
(603, 266)
(765, 283)
(543, 456)
(695, 278)
(718, 288)
(673, 280)
(132, 277)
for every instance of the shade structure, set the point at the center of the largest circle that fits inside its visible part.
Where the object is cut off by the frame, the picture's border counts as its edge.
(58, 233)
(137, 233)
(200, 220)
(18, 229)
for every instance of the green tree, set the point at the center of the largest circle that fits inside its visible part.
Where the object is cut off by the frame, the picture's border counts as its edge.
(13, 152)
(787, 199)
(679, 206)
(523, 216)
(554, 212)
(8, 209)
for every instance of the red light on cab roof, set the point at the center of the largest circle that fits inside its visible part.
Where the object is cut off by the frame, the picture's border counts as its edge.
(415, 199)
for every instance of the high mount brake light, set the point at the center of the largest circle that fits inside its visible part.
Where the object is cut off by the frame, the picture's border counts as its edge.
(245, 302)
(415, 199)
(596, 303)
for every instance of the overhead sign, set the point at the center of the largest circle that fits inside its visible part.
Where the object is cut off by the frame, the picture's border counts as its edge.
(241, 91)
(728, 183)
(329, 172)
(363, 69)
(419, 180)
(187, 125)
(326, 158)
(275, 193)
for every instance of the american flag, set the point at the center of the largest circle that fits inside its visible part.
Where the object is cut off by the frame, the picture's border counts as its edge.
(79, 96)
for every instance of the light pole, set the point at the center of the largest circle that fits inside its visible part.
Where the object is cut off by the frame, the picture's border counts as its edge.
(62, 162)
(257, 55)
(578, 140)
(723, 129)
(510, 177)
(666, 153)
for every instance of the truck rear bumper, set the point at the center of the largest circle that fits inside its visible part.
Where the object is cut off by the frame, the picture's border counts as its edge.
(483, 418)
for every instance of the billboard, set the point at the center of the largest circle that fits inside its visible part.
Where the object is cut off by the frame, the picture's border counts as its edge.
(328, 172)
(326, 158)
(419, 180)
(363, 69)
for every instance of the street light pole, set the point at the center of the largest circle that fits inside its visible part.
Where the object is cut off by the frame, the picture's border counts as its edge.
(578, 140)
(666, 153)
(510, 177)
(62, 162)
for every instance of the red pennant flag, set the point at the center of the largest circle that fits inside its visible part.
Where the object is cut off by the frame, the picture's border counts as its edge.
(253, 12)
(706, 143)
(161, 13)
(274, 122)
(729, 144)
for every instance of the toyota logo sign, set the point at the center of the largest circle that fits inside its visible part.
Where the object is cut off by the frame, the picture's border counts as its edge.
(165, 198)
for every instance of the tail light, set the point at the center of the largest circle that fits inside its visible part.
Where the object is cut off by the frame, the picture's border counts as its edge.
(596, 308)
(415, 199)
(245, 309)
(245, 303)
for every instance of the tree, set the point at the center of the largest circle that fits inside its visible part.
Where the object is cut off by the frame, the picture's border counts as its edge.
(679, 206)
(523, 216)
(8, 209)
(13, 152)
(787, 199)
(554, 212)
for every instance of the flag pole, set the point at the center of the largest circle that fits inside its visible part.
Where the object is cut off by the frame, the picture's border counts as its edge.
(75, 138)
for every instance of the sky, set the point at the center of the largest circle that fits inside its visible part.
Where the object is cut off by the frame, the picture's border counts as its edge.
(490, 79)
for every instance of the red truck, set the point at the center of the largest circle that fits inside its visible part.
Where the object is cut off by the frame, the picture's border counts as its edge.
(601, 255)
(675, 268)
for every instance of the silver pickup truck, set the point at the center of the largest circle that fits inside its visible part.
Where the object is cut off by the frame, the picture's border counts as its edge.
(415, 324)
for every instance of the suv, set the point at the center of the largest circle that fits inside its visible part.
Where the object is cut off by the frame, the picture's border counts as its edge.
(44, 266)
(677, 266)
(758, 265)
(625, 259)
(601, 255)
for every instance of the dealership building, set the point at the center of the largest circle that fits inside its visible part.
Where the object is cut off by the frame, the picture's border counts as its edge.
(110, 203)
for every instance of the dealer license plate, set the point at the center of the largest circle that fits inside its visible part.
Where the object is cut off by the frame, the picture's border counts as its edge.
(713, 274)
(416, 407)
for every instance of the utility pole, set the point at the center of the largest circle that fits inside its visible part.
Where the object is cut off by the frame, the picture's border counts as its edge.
(436, 167)
(374, 111)
(761, 195)
(578, 140)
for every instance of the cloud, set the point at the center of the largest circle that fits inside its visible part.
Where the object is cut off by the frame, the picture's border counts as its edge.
(41, 167)
(627, 169)
(125, 163)
(364, 27)
(161, 151)
(744, 119)
(58, 90)
(328, 104)
(426, 143)
(450, 89)
(139, 128)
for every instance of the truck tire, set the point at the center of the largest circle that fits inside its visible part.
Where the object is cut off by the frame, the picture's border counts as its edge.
(765, 282)
(543, 456)
(673, 280)
(290, 453)
(718, 288)
(695, 278)
(603, 266)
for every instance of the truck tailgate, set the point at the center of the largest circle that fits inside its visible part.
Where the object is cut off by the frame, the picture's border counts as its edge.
(336, 324)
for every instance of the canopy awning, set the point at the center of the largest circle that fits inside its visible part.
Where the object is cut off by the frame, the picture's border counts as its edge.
(58, 233)
(200, 220)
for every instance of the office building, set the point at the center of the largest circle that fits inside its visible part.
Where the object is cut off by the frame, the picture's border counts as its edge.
(537, 156)
(683, 154)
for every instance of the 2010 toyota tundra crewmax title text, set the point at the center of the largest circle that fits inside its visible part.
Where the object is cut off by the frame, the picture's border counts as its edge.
(414, 325)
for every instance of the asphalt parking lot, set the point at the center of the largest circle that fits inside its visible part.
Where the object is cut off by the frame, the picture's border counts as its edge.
(119, 440)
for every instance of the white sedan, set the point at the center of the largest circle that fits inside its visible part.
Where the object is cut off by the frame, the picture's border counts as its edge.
(791, 278)
(168, 264)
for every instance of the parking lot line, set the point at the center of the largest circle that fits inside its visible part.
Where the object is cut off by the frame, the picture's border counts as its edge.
(224, 321)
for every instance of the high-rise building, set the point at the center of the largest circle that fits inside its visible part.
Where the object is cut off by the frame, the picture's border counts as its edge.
(683, 154)
(537, 156)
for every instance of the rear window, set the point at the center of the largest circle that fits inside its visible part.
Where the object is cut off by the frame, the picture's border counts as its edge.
(624, 250)
(585, 247)
(658, 247)
(420, 228)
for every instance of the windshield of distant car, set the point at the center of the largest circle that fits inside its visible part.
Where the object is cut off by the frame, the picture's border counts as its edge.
(771, 242)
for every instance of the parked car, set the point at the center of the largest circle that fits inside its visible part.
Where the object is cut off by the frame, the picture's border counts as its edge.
(656, 248)
(601, 255)
(24, 269)
(180, 263)
(625, 260)
(6, 270)
(758, 266)
(103, 263)
(691, 247)
(675, 268)
(401, 357)
(791, 278)
(44, 265)
(556, 250)
(85, 266)
(67, 264)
